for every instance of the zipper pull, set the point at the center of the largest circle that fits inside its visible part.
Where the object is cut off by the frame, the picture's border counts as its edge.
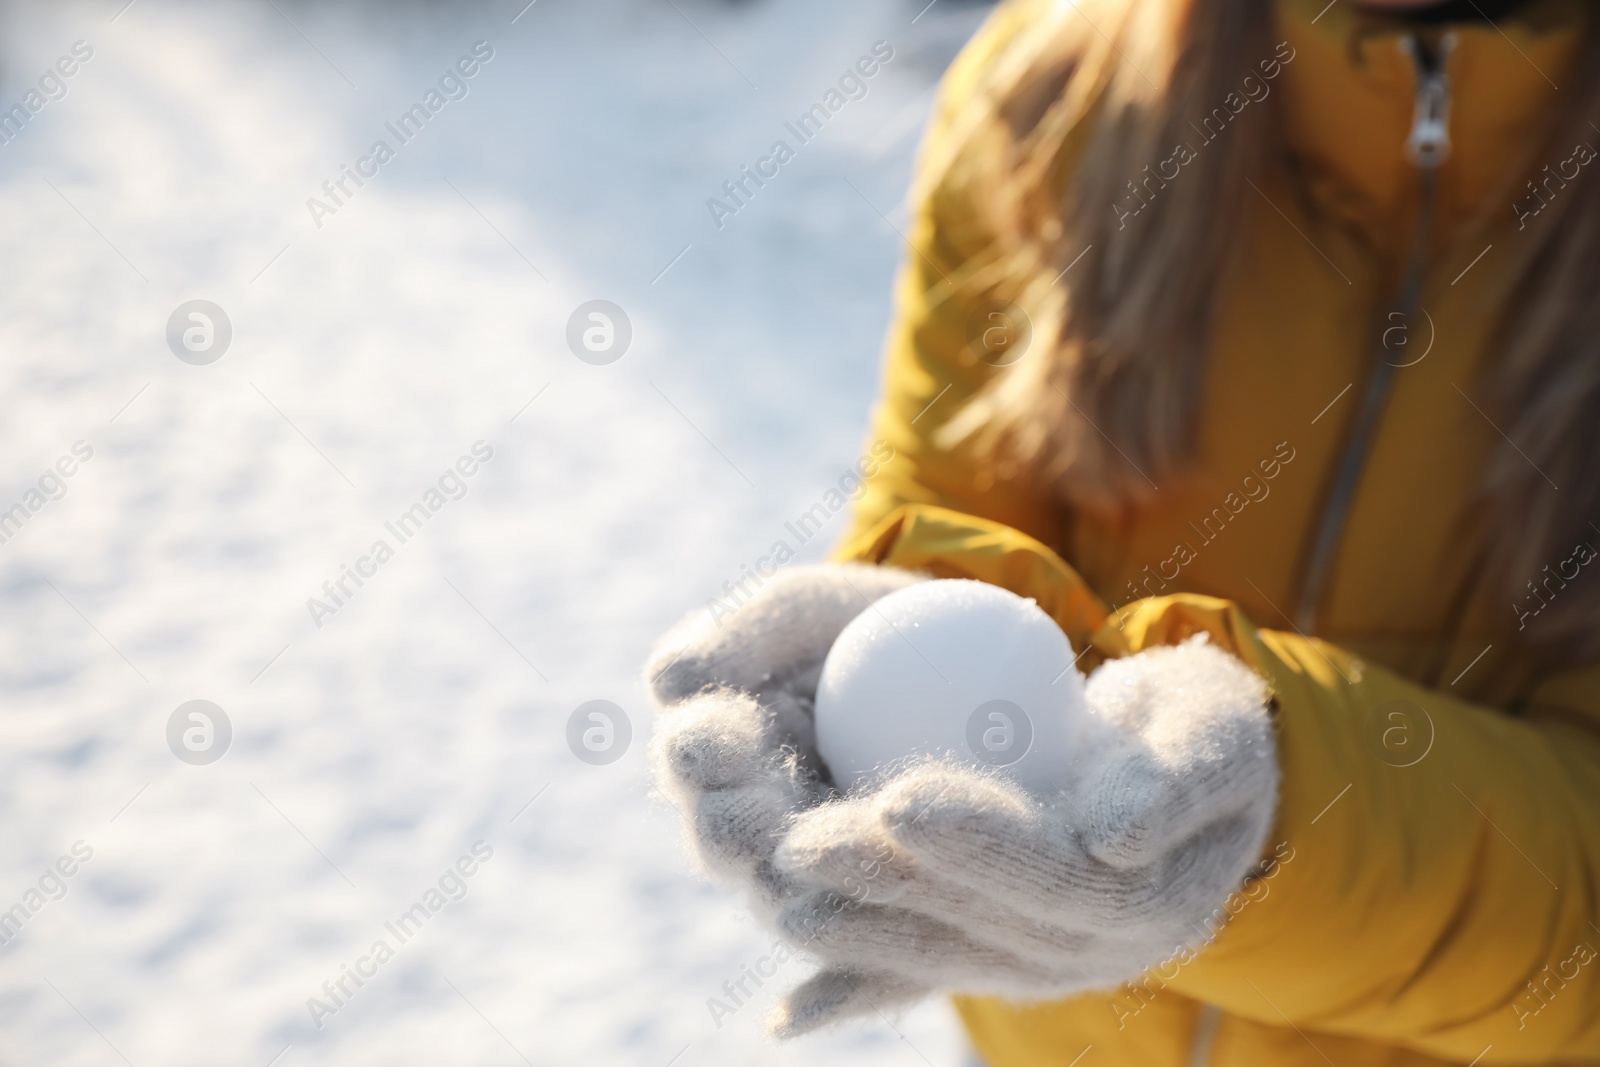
(1428, 144)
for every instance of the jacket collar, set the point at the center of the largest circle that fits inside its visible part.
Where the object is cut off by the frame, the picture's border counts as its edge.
(1349, 97)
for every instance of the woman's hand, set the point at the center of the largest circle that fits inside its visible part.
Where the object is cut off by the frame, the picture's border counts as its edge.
(944, 877)
(961, 880)
(735, 751)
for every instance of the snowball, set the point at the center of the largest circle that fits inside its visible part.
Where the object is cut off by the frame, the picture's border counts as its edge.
(951, 667)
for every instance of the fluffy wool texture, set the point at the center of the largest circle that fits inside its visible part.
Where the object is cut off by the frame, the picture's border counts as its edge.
(942, 877)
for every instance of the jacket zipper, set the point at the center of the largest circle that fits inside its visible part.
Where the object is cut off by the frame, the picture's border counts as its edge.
(1205, 1035)
(1427, 146)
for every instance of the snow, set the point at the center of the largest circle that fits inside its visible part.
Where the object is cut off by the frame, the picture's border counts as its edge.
(373, 746)
(956, 668)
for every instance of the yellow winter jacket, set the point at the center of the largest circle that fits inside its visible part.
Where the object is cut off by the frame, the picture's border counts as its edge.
(1432, 896)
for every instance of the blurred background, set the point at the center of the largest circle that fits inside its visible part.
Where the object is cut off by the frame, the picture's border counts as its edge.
(351, 363)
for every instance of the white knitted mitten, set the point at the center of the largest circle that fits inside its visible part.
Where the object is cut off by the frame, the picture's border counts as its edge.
(947, 878)
(735, 752)
(961, 880)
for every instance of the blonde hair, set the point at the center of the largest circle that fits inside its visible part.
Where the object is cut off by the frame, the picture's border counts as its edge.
(1057, 123)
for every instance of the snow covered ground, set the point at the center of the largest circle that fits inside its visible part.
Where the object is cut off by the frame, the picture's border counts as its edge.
(425, 710)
